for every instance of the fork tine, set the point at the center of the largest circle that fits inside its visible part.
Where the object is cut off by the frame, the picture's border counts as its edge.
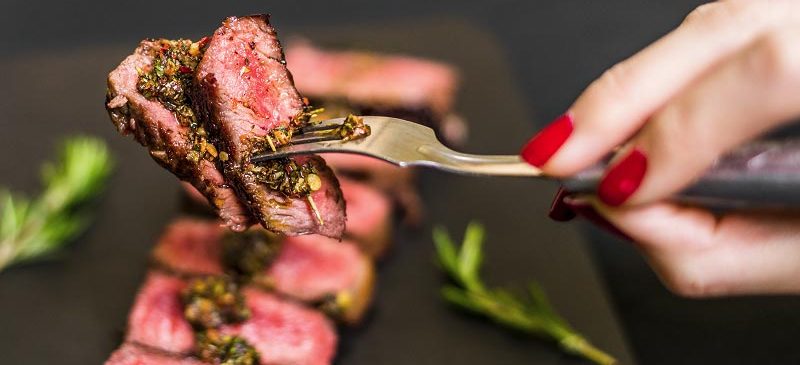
(318, 128)
(309, 139)
(303, 139)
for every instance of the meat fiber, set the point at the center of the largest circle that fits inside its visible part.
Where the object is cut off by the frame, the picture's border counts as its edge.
(158, 129)
(282, 331)
(156, 319)
(310, 268)
(398, 183)
(285, 333)
(244, 91)
(369, 217)
(372, 80)
(130, 354)
(191, 246)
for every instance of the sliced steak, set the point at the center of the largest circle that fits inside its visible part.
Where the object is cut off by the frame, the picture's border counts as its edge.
(369, 217)
(283, 332)
(191, 246)
(368, 78)
(369, 83)
(168, 140)
(131, 354)
(247, 99)
(156, 319)
(314, 268)
(311, 268)
(398, 183)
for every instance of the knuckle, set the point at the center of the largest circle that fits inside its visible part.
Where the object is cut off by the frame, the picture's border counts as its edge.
(777, 56)
(690, 279)
(680, 128)
(716, 14)
(615, 83)
(686, 286)
(701, 13)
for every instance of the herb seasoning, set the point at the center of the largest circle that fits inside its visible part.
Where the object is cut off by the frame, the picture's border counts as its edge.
(169, 80)
(247, 254)
(208, 304)
(213, 301)
(285, 175)
(220, 349)
(288, 177)
(352, 128)
(334, 305)
(282, 136)
(292, 179)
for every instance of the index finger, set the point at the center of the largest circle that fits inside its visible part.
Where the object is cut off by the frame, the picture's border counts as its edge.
(617, 104)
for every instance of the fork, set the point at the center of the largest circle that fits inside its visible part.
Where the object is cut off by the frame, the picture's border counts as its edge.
(762, 174)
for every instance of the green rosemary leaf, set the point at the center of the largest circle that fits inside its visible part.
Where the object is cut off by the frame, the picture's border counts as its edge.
(459, 297)
(32, 228)
(470, 258)
(446, 250)
(540, 301)
(11, 213)
(534, 315)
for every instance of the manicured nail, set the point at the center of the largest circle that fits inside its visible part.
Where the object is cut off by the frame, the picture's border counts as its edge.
(559, 210)
(587, 211)
(622, 180)
(545, 144)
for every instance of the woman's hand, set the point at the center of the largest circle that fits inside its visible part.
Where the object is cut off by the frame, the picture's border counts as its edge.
(729, 73)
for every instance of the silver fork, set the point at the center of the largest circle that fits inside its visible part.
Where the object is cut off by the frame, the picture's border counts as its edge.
(402, 143)
(761, 174)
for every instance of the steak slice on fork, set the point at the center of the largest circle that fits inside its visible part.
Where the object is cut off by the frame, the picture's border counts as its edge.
(247, 100)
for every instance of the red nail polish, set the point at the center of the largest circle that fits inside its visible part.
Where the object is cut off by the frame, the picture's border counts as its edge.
(560, 210)
(586, 211)
(545, 144)
(622, 180)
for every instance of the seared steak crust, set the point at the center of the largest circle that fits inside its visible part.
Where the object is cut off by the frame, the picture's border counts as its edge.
(244, 91)
(158, 129)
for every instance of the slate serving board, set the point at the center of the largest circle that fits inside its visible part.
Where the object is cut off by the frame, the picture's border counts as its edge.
(72, 309)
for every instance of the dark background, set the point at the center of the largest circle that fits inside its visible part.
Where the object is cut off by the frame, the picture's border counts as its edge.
(555, 48)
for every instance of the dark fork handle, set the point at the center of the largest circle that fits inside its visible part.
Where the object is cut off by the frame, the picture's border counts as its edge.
(764, 174)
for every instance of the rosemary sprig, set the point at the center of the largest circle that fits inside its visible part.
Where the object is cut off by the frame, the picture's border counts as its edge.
(32, 228)
(532, 315)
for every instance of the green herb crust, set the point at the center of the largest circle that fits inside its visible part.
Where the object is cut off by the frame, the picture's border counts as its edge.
(213, 301)
(288, 177)
(170, 80)
(352, 128)
(247, 254)
(209, 303)
(225, 350)
(285, 175)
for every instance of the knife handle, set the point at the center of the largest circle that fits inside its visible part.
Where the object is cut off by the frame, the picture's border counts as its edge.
(762, 174)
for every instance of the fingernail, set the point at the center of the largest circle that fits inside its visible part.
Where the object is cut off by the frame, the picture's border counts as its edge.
(545, 144)
(560, 210)
(622, 180)
(587, 211)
